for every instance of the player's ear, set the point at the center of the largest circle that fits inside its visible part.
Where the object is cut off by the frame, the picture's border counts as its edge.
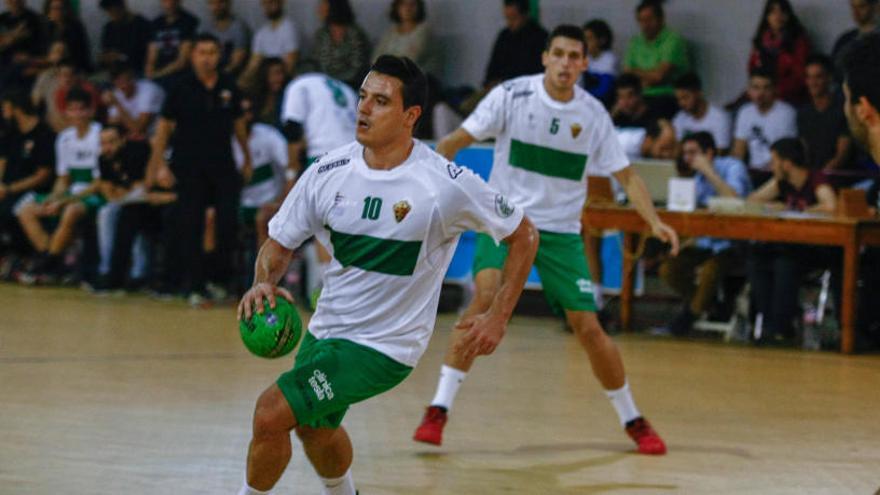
(866, 112)
(411, 115)
(544, 56)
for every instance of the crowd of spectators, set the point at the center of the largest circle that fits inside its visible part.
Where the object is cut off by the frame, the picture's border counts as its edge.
(91, 153)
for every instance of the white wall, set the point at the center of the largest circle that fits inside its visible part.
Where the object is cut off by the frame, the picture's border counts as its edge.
(719, 30)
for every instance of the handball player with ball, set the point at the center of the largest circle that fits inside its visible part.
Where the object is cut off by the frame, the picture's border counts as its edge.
(390, 211)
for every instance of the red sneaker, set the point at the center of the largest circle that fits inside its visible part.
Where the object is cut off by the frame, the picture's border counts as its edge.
(648, 441)
(431, 429)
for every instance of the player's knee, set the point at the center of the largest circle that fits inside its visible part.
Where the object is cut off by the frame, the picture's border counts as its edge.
(269, 419)
(589, 328)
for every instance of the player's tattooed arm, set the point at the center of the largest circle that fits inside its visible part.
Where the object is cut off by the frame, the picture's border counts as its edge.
(271, 265)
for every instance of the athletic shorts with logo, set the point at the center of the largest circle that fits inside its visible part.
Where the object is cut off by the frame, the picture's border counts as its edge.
(561, 264)
(329, 375)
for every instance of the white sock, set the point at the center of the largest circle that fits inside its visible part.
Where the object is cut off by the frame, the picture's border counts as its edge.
(597, 296)
(247, 490)
(343, 485)
(447, 387)
(623, 403)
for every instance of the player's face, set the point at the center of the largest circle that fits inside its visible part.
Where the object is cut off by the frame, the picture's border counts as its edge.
(205, 56)
(564, 61)
(857, 127)
(687, 100)
(78, 114)
(381, 117)
(761, 91)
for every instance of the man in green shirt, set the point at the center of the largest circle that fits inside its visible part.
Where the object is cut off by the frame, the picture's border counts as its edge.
(658, 56)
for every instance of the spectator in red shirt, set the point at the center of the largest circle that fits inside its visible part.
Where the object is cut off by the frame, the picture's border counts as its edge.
(781, 45)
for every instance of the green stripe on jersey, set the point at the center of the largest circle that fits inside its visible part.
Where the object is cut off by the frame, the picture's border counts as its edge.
(372, 254)
(261, 173)
(80, 175)
(547, 161)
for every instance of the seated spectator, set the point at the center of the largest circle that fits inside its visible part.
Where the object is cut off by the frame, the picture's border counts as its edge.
(69, 78)
(267, 94)
(74, 195)
(781, 46)
(232, 33)
(132, 103)
(701, 266)
(123, 166)
(263, 193)
(602, 66)
(657, 56)
(410, 36)
(341, 47)
(761, 123)
(821, 122)
(697, 115)
(631, 112)
(124, 38)
(518, 47)
(171, 41)
(864, 14)
(278, 38)
(775, 270)
(22, 36)
(64, 25)
(27, 162)
(47, 79)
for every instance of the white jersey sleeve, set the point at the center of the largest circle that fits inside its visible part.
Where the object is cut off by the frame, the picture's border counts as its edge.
(608, 156)
(488, 120)
(296, 104)
(473, 205)
(298, 218)
(61, 156)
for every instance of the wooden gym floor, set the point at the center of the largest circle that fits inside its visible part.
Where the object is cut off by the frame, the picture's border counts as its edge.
(134, 396)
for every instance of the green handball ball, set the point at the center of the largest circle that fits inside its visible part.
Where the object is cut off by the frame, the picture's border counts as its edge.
(274, 333)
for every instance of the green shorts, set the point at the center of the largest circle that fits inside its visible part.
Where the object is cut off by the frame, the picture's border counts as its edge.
(561, 264)
(93, 203)
(331, 374)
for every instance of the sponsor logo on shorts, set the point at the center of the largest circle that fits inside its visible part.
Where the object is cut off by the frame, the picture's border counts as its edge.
(454, 170)
(585, 286)
(321, 385)
(332, 165)
(502, 207)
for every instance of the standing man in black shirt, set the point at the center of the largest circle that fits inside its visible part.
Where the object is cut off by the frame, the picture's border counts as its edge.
(198, 119)
(22, 36)
(27, 162)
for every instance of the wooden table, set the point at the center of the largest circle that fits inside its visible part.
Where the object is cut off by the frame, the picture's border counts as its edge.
(849, 233)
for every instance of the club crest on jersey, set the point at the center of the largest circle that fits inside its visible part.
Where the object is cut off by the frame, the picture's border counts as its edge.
(401, 210)
(576, 130)
(502, 207)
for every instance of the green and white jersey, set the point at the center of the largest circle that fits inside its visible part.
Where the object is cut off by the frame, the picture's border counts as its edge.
(78, 158)
(544, 149)
(392, 234)
(325, 107)
(269, 158)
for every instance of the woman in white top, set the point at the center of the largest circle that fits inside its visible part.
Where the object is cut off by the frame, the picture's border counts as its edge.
(599, 40)
(409, 36)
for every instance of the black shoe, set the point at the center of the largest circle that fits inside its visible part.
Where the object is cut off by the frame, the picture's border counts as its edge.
(682, 323)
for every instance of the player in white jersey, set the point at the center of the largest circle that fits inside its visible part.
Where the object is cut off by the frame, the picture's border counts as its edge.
(318, 115)
(262, 194)
(74, 195)
(549, 135)
(390, 210)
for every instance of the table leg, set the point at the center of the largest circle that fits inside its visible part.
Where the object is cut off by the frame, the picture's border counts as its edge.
(849, 295)
(626, 283)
